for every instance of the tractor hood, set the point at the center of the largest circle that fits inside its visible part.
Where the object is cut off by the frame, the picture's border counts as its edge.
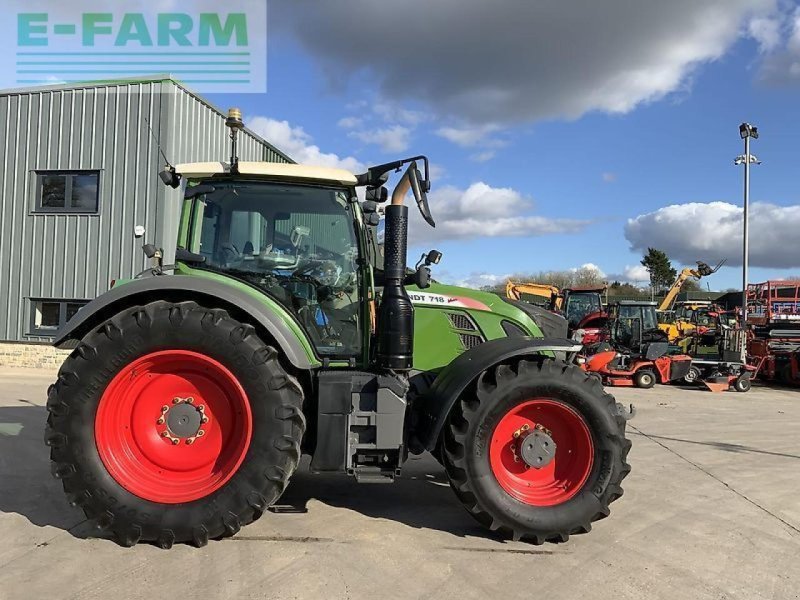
(536, 320)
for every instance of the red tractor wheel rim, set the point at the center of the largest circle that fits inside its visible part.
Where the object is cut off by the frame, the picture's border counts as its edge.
(564, 475)
(173, 426)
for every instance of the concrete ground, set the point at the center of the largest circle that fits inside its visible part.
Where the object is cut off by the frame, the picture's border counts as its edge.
(711, 510)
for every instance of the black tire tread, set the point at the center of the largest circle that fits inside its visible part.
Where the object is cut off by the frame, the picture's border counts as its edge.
(454, 446)
(230, 513)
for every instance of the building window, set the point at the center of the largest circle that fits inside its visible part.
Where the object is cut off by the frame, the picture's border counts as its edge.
(50, 315)
(67, 191)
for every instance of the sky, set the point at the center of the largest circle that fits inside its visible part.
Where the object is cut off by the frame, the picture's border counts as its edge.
(561, 134)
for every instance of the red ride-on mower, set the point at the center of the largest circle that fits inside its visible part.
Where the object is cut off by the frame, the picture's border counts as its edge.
(636, 354)
(618, 369)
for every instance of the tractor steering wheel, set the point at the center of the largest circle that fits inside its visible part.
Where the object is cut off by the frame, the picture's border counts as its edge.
(230, 249)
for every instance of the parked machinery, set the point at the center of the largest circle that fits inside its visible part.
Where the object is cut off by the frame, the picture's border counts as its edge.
(581, 306)
(672, 320)
(715, 344)
(636, 352)
(773, 315)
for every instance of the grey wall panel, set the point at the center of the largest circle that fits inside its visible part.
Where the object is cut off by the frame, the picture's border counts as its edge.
(64, 256)
(72, 256)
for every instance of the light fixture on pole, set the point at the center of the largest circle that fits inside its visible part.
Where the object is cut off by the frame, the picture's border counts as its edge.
(746, 132)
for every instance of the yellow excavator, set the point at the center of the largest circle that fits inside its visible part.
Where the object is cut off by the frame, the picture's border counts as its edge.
(676, 326)
(514, 291)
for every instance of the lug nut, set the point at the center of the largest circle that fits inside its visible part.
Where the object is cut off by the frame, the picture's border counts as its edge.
(160, 421)
(165, 434)
(176, 400)
(164, 408)
(175, 441)
(190, 399)
(200, 433)
(201, 408)
(204, 420)
(189, 441)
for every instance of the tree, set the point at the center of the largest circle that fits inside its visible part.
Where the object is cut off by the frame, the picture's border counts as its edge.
(662, 273)
(691, 285)
(625, 289)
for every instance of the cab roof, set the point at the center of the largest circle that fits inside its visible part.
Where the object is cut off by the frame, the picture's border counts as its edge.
(269, 169)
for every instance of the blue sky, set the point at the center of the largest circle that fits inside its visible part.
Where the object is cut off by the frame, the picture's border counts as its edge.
(552, 124)
(603, 168)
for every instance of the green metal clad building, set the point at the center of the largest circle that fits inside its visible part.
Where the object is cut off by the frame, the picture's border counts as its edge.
(78, 170)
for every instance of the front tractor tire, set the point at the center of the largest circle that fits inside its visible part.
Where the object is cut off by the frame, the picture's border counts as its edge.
(172, 422)
(536, 450)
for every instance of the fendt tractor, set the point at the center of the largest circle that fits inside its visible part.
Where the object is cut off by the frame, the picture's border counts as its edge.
(282, 329)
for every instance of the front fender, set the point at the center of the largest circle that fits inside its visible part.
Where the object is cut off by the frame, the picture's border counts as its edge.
(182, 288)
(451, 381)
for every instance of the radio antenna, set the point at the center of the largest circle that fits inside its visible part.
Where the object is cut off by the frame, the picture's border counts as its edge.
(158, 143)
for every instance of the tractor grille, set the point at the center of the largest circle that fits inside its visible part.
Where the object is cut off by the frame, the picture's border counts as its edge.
(461, 321)
(469, 341)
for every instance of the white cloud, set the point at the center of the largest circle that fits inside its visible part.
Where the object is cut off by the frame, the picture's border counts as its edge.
(349, 122)
(472, 60)
(484, 156)
(299, 145)
(484, 211)
(782, 63)
(590, 267)
(392, 112)
(466, 136)
(389, 139)
(477, 280)
(713, 231)
(635, 273)
(609, 177)
(766, 31)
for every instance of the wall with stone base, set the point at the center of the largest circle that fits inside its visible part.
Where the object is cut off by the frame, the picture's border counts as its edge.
(32, 356)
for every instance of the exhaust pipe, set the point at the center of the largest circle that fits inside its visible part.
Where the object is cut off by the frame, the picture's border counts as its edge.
(396, 313)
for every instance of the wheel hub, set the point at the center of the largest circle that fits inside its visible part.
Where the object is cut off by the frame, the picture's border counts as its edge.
(541, 452)
(184, 419)
(537, 448)
(173, 426)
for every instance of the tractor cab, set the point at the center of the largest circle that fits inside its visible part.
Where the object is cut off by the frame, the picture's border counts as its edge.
(633, 325)
(580, 304)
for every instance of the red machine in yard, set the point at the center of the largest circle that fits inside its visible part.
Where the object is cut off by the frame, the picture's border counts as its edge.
(773, 304)
(773, 313)
(636, 351)
(776, 356)
(617, 369)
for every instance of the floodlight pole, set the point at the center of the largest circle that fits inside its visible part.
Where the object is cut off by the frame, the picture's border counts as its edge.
(746, 240)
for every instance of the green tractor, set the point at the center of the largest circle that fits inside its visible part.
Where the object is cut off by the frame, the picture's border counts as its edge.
(193, 390)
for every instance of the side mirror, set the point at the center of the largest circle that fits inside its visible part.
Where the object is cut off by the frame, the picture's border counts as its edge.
(433, 257)
(422, 276)
(420, 188)
(377, 194)
(149, 250)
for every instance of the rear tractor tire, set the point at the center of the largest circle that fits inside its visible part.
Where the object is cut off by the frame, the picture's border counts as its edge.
(173, 423)
(536, 450)
(644, 378)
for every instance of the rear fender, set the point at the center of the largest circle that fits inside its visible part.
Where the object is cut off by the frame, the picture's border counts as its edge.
(452, 380)
(178, 288)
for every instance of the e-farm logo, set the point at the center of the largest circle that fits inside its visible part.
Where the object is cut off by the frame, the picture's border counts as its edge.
(211, 52)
